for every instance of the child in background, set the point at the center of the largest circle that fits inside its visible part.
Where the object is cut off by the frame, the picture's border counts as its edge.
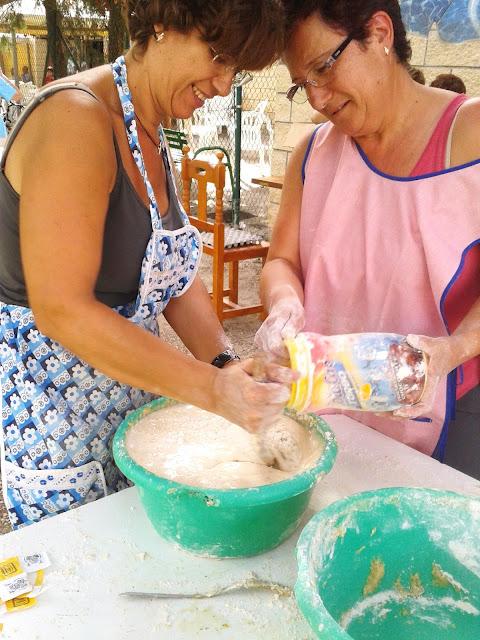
(49, 77)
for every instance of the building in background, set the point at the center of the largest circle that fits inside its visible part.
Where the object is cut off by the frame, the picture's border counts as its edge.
(76, 38)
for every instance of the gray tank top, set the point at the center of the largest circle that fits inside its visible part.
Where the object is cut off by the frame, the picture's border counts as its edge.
(127, 228)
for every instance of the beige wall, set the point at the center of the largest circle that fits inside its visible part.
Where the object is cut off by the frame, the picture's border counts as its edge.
(434, 56)
(431, 54)
(292, 121)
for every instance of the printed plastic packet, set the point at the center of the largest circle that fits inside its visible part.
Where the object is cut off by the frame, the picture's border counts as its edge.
(358, 371)
(14, 579)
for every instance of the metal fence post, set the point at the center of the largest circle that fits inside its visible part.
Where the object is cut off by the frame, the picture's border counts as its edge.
(238, 155)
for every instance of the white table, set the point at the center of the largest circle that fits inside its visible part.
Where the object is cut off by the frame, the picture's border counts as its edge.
(109, 546)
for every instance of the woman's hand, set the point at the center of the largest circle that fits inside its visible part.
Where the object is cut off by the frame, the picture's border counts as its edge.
(251, 404)
(443, 355)
(285, 320)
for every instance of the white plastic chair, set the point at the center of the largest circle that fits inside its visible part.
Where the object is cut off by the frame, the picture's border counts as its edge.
(253, 122)
(27, 91)
(204, 128)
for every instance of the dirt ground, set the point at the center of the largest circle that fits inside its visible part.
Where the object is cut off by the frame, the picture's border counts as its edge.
(240, 330)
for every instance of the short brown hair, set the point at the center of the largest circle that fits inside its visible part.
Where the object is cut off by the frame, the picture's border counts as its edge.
(449, 81)
(352, 17)
(250, 32)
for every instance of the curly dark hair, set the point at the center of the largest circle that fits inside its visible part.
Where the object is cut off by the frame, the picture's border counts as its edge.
(352, 17)
(449, 81)
(250, 32)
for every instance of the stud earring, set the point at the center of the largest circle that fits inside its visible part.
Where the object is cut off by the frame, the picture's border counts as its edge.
(387, 50)
(159, 36)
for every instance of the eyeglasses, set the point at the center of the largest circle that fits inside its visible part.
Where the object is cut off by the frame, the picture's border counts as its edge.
(318, 76)
(239, 77)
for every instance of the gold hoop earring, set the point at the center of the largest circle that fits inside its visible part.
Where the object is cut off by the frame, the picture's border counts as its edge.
(387, 50)
(159, 37)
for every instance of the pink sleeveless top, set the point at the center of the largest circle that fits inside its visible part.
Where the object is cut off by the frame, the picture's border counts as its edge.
(433, 159)
(381, 253)
(434, 156)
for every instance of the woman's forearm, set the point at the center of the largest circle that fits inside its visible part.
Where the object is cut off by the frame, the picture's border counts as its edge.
(194, 320)
(280, 280)
(128, 353)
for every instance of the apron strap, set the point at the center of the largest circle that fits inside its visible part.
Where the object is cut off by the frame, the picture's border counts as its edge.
(119, 71)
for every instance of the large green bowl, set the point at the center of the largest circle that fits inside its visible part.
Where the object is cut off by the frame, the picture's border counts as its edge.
(426, 544)
(228, 522)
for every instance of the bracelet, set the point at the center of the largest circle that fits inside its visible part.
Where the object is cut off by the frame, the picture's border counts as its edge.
(223, 358)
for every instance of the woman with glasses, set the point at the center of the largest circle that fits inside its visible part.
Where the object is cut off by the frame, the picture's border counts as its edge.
(94, 246)
(379, 224)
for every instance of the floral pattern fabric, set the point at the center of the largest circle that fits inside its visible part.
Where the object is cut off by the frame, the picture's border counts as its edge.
(173, 253)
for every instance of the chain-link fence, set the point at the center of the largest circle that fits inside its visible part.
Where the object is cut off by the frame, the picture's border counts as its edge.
(217, 125)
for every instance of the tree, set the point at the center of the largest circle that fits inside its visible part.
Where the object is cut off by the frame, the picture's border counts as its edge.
(117, 31)
(11, 22)
(69, 23)
(55, 45)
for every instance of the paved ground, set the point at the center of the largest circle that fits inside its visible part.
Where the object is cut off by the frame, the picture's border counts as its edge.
(240, 330)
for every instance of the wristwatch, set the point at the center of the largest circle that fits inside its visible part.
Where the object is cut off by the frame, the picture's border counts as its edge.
(226, 356)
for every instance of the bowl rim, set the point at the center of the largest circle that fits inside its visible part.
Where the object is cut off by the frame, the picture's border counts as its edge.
(249, 496)
(318, 614)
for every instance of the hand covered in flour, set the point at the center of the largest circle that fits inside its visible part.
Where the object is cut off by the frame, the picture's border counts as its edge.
(443, 355)
(252, 404)
(285, 320)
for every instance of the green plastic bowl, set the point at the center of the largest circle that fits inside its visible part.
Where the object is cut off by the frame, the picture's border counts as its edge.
(227, 522)
(392, 564)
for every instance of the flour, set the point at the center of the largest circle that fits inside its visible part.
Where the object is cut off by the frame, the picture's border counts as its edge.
(380, 604)
(466, 554)
(201, 449)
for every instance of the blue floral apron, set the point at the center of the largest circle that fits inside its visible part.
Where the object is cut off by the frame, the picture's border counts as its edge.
(59, 414)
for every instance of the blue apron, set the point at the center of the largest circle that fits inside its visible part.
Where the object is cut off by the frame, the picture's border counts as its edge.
(59, 414)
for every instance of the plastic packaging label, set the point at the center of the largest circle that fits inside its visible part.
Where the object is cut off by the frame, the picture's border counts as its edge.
(19, 603)
(359, 371)
(35, 561)
(13, 580)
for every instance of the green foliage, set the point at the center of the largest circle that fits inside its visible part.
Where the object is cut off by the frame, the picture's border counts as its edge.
(10, 17)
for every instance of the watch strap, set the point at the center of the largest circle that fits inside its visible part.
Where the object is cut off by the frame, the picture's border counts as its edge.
(223, 358)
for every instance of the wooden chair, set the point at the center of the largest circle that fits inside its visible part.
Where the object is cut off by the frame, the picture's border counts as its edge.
(224, 243)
